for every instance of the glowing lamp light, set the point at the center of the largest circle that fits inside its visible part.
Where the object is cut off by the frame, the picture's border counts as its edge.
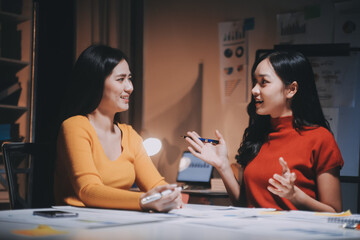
(152, 146)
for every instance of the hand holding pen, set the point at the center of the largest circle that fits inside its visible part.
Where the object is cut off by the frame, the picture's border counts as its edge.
(162, 198)
(158, 195)
(215, 155)
(205, 140)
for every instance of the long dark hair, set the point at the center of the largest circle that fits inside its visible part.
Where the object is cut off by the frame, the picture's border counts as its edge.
(91, 69)
(305, 105)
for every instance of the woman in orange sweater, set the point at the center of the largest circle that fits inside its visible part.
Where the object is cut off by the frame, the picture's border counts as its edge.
(98, 158)
(289, 158)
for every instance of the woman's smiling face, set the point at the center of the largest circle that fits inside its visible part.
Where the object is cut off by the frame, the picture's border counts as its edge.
(117, 89)
(269, 92)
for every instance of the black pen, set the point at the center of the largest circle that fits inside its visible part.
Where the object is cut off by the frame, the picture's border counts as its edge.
(206, 140)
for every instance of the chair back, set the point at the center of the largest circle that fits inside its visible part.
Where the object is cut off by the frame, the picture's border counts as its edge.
(29, 174)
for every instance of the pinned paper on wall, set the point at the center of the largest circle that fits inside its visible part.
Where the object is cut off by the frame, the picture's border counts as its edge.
(290, 26)
(312, 25)
(233, 61)
(332, 116)
(335, 79)
(347, 23)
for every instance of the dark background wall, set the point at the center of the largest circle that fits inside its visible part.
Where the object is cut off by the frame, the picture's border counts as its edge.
(55, 51)
(54, 58)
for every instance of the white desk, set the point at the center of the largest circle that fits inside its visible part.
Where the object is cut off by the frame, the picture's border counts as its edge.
(206, 222)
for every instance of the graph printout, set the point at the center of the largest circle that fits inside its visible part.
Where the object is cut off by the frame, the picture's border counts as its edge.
(233, 61)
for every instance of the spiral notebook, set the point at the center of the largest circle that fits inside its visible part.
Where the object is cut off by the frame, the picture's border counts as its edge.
(353, 219)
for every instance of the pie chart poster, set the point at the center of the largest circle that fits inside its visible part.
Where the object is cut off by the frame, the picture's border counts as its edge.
(233, 56)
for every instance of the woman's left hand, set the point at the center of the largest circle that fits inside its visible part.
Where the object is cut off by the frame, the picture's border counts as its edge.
(283, 186)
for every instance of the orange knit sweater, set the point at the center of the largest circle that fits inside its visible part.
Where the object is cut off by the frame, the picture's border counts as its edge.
(84, 176)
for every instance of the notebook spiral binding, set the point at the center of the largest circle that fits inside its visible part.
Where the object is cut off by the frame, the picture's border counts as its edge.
(349, 220)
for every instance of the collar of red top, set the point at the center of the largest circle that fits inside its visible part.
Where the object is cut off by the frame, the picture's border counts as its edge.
(281, 122)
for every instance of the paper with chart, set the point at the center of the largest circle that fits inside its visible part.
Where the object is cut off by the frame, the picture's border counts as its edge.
(233, 61)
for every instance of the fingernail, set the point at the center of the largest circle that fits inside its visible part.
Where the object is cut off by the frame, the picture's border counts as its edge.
(173, 185)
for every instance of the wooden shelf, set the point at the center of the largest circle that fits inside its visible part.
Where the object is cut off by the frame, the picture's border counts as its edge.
(15, 65)
(16, 29)
(11, 17)
(10, 113)
(12, 107)
(4, 197)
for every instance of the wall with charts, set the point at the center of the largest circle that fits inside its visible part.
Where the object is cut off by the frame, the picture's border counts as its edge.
(185, 74)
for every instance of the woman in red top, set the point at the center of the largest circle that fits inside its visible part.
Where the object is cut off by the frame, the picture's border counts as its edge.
(289, 158)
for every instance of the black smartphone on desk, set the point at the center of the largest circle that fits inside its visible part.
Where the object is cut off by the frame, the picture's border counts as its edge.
(54, 213)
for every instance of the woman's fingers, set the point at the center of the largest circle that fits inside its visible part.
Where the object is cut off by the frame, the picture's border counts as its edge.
(284, 165)
(279, 189)
(195, 153)
(194, 136)
(273, 190)
(170, 201)
(194, 144)
(282, 180)
(283, 185)
(195, 139)
(218, 134)
(275, 184)
(286, 170)
(220, 137)
(159, 189)
(165, 187)
(166, 202)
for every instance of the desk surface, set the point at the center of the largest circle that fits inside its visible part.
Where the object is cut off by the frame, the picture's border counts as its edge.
(191, 222)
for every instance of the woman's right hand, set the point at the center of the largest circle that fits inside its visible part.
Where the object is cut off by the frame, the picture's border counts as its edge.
(166, 202)
(215, 155)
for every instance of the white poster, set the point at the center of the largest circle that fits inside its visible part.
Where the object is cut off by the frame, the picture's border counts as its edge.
(347, 23)
(305, 26)
(233, 62)
(332, 116)
(335, 79)
(290, 27)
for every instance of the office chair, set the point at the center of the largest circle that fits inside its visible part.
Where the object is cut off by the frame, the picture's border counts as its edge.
(29, 174)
